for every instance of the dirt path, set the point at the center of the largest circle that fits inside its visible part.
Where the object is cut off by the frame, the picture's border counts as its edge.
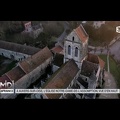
(109, 84)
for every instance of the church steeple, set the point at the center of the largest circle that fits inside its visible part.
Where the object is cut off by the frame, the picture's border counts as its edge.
(75, 45)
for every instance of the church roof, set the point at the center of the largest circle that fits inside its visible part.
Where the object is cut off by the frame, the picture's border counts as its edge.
(61, 78)
(35, 60)
(81, 33)
(88, 68)
(18, 47)
(15, 74)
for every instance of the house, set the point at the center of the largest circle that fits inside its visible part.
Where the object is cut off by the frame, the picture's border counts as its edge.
(28, 71)
(32, 30)
(28, 26)
(97, 24)
(16, 51)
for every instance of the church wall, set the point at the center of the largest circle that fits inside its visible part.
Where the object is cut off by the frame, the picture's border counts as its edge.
(13, 55)
(71, 35)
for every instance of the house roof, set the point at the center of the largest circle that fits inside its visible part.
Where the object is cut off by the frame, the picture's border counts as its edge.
(15, 74)
(18, 47)
(81, 33)
(88, 68)
(62, 78)
(57, 49)
(4, 78)
(35, 60)
(101, 62)
(95, 59)
(92, 58)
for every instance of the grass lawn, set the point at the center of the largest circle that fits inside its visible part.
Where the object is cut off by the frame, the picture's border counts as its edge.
(113, 68)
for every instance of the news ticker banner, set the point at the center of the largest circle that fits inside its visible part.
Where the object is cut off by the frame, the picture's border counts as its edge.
(59, 91)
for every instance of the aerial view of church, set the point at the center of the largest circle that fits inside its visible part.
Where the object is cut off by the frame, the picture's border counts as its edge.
(60, 55)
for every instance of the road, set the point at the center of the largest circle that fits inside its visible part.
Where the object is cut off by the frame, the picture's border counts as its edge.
(63, 35)
(110, 83)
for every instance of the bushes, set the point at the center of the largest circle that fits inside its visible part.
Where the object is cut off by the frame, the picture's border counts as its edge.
(53, 28)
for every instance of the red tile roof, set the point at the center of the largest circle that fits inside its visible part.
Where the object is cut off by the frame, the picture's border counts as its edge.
(3, 79)
(81, 33)
(92, 58)
(88, 68)
(101, 62)
(62, 78)
(35, 60)
(15, 74)
(95, 59)
(57, 49)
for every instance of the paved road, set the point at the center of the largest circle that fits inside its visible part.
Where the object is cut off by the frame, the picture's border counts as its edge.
(109, 84)
(63, 35)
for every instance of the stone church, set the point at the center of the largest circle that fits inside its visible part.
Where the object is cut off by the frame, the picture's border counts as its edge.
(79, 69)
(75, 45)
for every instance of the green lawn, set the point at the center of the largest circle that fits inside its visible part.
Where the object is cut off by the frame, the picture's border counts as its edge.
(113, 68)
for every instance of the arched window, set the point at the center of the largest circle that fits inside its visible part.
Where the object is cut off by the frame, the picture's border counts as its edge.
(76, 52)
(69, 49)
